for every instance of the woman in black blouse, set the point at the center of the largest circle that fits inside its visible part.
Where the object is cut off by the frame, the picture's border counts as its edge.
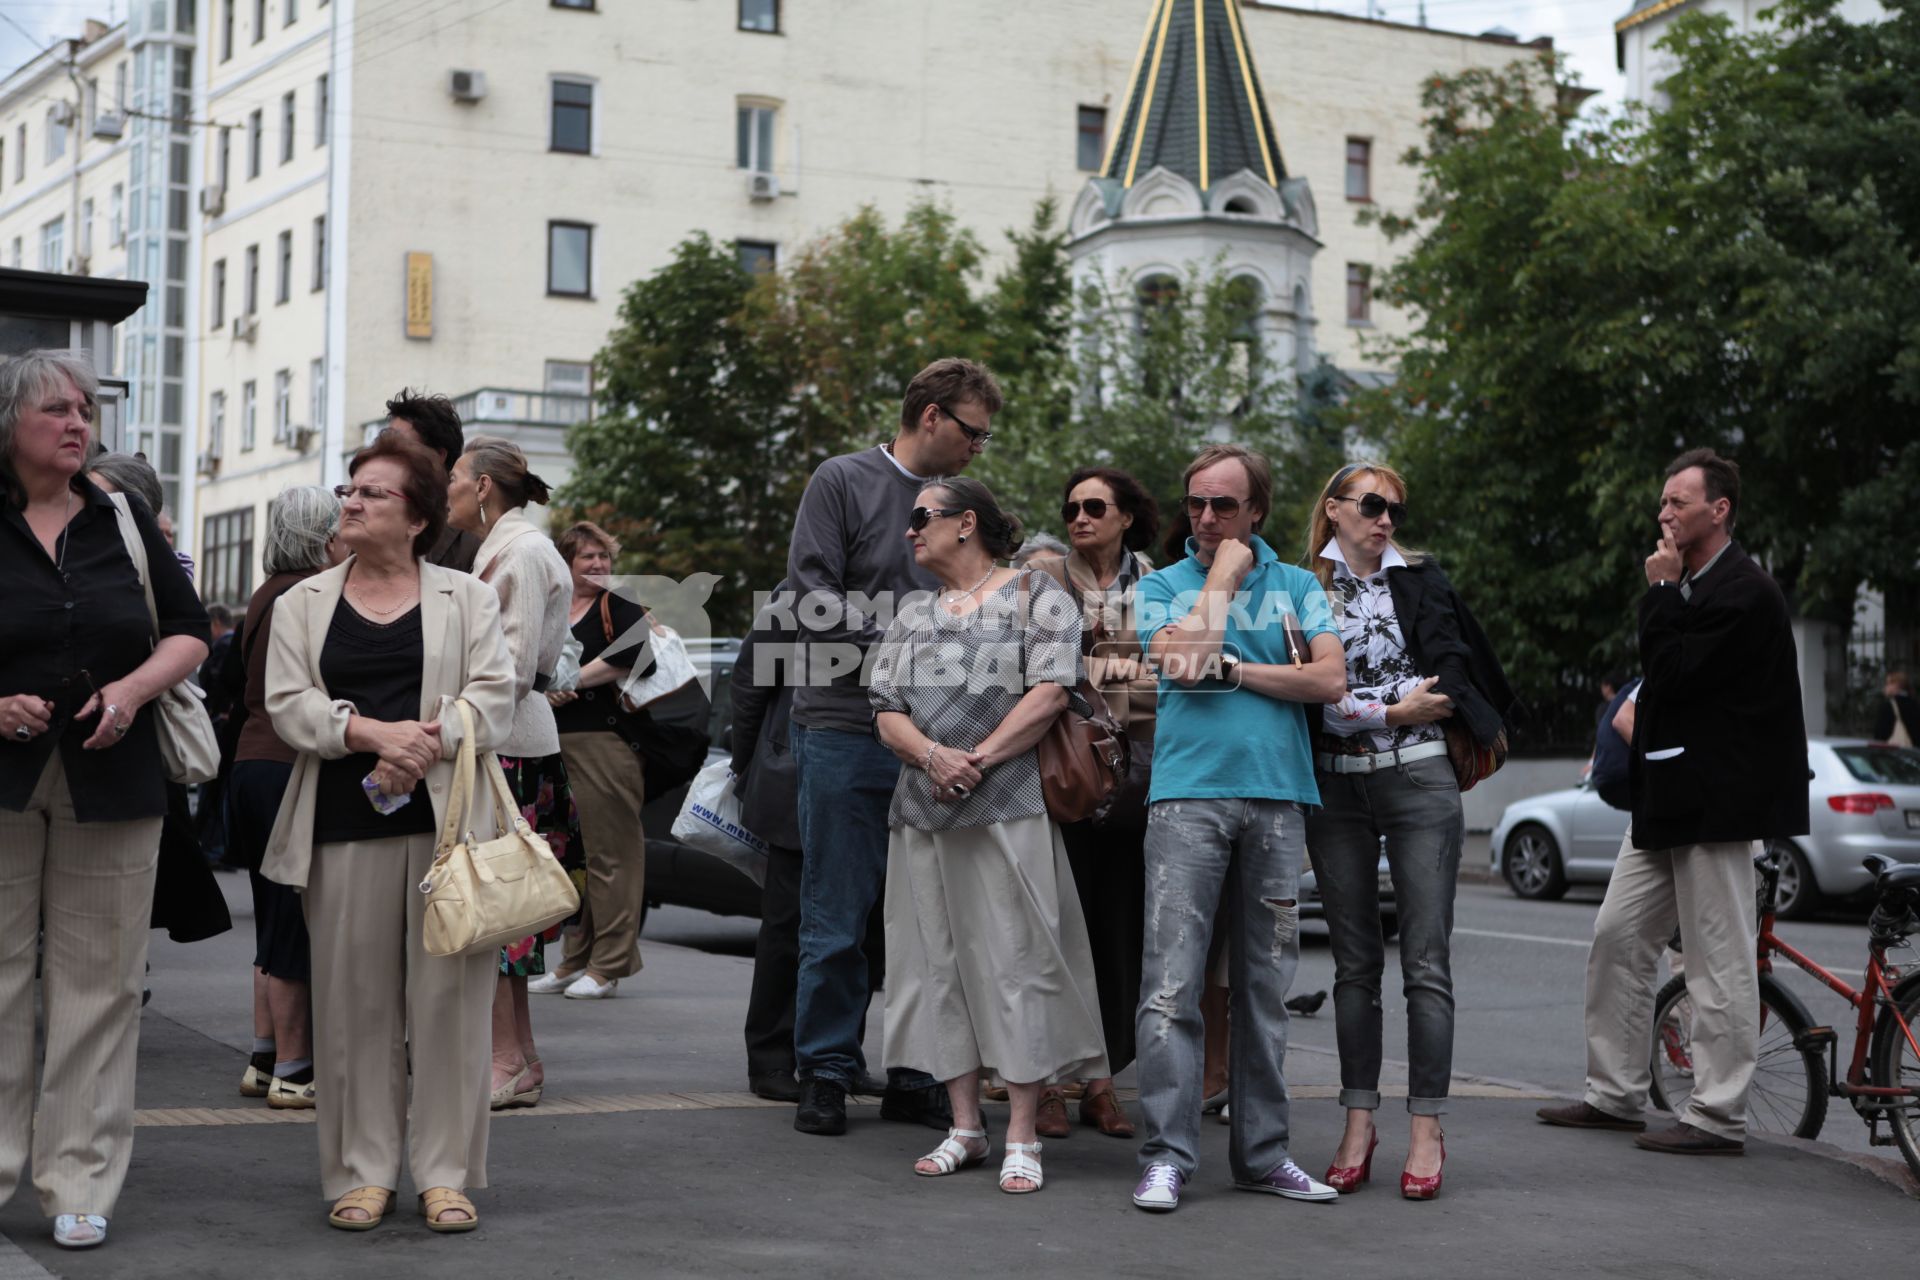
(597, 742)
(82, 790)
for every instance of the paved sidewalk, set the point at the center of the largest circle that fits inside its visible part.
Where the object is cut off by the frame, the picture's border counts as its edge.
(648, 1161)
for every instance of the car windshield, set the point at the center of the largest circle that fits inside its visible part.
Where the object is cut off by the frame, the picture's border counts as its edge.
(1891, 766)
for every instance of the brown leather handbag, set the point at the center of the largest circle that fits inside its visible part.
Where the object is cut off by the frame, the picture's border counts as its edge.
(1083, 754)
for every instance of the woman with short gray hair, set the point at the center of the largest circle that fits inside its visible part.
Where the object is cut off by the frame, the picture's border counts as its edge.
(301, 524)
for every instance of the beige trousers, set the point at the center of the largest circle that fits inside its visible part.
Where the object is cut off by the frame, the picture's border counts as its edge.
(90, 888)
(608, 789)
(1708, 890)
(379, 998)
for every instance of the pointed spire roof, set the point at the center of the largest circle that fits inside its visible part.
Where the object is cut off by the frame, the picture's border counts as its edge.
(1194, 103)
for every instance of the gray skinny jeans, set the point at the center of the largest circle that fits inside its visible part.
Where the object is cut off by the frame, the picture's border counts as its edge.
(1416, 806)
(1195, 850)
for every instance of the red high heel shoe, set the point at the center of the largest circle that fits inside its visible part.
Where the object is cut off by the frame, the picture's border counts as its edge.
(1348, 1181)
(1414, 1188)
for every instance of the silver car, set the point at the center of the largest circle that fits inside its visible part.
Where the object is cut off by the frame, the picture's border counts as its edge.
(1864, 799)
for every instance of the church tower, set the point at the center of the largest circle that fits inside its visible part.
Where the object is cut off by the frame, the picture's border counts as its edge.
(1193, 175)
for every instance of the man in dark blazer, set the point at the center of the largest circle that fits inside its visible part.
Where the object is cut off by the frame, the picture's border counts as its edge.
(1718, 766)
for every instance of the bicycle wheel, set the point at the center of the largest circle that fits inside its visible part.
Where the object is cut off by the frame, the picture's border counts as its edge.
(1896, 1066)
(1789, 1093)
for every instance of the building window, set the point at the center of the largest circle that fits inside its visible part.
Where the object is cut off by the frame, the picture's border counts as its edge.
(1359, 294)
(757, 256)
(322, 107)
(570, 259)
(226, 557)
(3, 164)
(317, 393)
(572, 124)
(320, 253)
(16, 253)
(1359, 169)
(251, 287)
(259, 20)
(20, 155)
(56, 132)
(293, 12)
(226, 30)
(224, 163)
(249, 414)
(216, 423)
(1093, 137)
(53, 245)
(756, 138)
(120, 87)
(283, 407)
(218, 303)
(569, 388)
(286, 127)
(283, 282)
(117, 216)
(760, 15)
(85, 245)
(254, 130)
(92, 93)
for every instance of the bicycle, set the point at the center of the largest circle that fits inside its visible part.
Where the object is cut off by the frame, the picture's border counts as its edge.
(1797, 1068)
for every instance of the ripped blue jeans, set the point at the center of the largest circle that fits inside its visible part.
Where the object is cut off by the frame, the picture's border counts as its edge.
(1195, 850)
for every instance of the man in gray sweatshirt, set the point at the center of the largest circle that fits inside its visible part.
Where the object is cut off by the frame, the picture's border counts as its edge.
(851, 566)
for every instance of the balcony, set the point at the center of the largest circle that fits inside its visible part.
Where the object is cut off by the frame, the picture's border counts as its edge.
(535, 420)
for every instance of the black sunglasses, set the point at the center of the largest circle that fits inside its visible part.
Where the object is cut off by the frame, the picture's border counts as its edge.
(1225, 508)
(1372, 506)
(1096, 510)
(917, 520)
(974, 434)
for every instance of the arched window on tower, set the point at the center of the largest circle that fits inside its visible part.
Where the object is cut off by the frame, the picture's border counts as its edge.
(1243, 300)
(1159, 315)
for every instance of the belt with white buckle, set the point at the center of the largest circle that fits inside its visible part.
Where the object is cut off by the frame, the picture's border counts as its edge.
(1374, 761)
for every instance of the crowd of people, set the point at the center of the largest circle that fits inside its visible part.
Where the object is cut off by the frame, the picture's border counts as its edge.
(894, 706)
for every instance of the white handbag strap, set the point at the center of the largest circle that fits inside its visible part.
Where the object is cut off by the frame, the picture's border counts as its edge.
(136, 552)
(506, 812)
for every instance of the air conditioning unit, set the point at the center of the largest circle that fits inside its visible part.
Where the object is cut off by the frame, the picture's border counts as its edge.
(208, 463)
(108, 127)
(762, 186)
(493, 406)
(213, 201)
(467, 86)
(63, 113)
(246, 328)
(303, 437)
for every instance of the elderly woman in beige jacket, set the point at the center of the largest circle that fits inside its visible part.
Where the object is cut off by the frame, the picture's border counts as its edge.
(366, 662)
(486, 496)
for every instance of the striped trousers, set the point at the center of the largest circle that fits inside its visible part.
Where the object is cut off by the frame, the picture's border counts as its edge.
(89, 889)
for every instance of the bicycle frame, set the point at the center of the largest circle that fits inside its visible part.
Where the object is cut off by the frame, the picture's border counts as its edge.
(1875, 990)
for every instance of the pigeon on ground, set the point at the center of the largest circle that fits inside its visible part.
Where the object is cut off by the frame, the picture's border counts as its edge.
(1308, 1005)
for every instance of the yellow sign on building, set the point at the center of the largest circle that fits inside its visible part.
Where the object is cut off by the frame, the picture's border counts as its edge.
(419, 295)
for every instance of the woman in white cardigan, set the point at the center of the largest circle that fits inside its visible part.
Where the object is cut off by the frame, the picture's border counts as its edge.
(486, 495)
(365, 663)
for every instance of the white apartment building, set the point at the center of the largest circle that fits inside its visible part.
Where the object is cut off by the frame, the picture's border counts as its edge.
(452, 196)
(1648, 22)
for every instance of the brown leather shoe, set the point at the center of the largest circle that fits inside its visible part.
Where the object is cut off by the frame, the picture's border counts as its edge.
(1582, 1116)
(1104, 1113)
(1686, 1140)
(1051, 1119)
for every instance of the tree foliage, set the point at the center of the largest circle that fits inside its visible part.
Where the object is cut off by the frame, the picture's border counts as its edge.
(1740, 270)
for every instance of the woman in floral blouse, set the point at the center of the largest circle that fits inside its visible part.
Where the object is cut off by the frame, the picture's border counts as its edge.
(1415, 662)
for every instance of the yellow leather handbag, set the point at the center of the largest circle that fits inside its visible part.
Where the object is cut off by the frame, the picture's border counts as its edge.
(484, 894)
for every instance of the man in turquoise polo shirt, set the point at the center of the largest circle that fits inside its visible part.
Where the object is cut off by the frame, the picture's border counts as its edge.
(1242, 641)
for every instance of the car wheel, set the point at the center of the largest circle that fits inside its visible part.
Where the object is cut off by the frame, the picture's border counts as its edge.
(1531, 864)
(1799, 895)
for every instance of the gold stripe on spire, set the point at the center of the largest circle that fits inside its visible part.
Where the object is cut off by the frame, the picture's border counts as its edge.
(1200, 64)
(1253, 95)
(1133, 78)
(1153, 80)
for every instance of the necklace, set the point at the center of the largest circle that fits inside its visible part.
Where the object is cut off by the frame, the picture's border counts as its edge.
(60, 562)
(952, 600)
(372, 608)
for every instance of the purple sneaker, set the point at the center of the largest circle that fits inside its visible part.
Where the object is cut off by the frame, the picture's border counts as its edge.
(1290, 1180)
(1159, 1189)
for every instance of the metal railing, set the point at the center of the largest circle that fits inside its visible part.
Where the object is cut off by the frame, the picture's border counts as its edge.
(506, 407)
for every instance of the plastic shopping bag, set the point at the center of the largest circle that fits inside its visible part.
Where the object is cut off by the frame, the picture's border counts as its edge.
(709, 821)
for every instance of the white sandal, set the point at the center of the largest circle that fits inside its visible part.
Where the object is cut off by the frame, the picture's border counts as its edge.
(79, 1230)
(1023, 1161)
(952, 1155)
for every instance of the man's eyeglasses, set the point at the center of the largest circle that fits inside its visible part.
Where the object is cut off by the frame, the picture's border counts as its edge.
(1224, 507)
(1096, 509)
(974, 434)
(917, 520)
(1372, 506)
(366, 492)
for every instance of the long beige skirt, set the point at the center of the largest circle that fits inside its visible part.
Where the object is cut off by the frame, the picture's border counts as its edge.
(987, 957)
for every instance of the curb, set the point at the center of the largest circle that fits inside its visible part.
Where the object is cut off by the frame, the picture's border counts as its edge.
(1893, 1173)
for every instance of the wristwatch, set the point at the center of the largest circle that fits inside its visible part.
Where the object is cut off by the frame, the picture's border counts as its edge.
(1229, 668)
(1665, 582)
